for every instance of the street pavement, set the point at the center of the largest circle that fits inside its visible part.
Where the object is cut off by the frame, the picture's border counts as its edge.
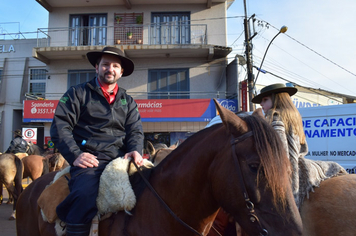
(8, 227)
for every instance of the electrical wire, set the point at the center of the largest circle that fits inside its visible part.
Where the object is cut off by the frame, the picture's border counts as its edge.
(341, 67)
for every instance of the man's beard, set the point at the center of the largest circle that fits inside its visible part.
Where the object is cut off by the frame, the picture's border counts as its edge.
(106, 81)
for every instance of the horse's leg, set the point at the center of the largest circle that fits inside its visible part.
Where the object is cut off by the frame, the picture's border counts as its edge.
(12, 192)
(17, 187)
(1, 196)
(10, 200)
(330, 208)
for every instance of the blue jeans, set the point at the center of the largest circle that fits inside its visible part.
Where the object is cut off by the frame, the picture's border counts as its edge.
(79, 207)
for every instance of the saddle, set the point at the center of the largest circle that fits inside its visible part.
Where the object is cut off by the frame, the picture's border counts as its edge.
(117, 190)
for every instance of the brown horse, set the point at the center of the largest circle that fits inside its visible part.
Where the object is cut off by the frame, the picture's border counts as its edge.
(11, 170)
(330, 209)
(11, 199)
(232, 165)
(35, 166)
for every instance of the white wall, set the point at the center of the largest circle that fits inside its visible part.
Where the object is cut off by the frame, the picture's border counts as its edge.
(12, 79)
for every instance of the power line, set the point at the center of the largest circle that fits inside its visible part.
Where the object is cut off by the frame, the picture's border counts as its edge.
(302, 86)
(313, 51)
(295, 74)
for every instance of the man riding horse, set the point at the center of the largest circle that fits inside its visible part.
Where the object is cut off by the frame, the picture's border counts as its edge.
(18, 144)
(95, 122)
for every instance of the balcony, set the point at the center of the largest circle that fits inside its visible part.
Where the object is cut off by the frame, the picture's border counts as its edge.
(161, 40)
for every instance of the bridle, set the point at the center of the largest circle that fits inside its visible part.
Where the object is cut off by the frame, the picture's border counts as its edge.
(249, 205)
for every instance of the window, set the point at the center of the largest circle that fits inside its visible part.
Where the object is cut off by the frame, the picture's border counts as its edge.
(37, 84)
(87, 30)
(168, 84)
(80, 76)
(170, 28)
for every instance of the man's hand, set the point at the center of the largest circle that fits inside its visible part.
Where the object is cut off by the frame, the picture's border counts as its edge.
(136, 156)
(85, 160)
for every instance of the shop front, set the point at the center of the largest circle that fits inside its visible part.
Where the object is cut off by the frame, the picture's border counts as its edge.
(164, 120)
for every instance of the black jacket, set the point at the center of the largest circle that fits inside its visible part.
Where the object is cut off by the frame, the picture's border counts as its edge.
(83, 113)
(17, 145)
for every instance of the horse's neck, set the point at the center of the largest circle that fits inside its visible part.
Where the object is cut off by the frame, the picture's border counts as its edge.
(182, 182)
(183, 178)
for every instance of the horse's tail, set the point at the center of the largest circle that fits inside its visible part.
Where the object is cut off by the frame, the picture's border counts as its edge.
(18, 176)
(45, 162)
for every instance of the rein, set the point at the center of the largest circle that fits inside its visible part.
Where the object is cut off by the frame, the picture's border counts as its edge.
(249, 205)
(164, 204)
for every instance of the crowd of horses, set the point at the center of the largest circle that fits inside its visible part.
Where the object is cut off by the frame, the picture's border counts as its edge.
(238, 166)
(32, 164)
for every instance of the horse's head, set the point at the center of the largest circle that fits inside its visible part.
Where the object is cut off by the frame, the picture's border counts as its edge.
(159, 151)
(255, 186)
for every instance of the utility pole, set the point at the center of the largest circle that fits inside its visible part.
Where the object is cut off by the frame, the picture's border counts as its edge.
(250, 75)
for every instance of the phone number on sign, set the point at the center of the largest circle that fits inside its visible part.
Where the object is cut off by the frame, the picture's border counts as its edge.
(43, 111)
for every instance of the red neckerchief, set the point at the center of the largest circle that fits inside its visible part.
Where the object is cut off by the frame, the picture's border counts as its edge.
(110, 97)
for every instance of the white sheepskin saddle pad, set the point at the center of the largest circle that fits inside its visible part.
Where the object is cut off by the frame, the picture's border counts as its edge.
(115, 191)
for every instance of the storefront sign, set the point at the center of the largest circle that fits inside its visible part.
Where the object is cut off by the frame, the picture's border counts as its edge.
(330, 133)
(39, 110)
(151, 110)
(192, 110)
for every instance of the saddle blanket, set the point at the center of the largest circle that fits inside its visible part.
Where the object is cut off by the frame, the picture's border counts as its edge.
(115, 190)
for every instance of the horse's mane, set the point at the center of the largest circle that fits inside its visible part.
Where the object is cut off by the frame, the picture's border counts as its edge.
(275, 165)
(274, 161)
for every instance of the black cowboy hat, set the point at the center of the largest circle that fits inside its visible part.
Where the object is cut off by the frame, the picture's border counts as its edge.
(18, 132)
(274, 88)
(126, 63)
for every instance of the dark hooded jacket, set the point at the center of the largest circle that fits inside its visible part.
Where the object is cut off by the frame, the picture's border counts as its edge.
(84, 121)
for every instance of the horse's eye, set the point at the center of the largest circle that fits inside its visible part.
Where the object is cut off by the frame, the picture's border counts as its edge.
(254, 167)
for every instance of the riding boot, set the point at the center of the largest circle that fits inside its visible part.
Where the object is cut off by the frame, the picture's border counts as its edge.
(77, 229)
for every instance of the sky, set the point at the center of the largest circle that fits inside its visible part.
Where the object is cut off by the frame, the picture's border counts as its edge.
(317, 50)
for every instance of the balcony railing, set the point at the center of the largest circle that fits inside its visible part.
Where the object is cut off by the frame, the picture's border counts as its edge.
(167, 33)
(151, 95)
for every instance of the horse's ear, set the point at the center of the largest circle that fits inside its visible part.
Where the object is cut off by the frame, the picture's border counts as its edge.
(151, 150)
(174, 146)
(231, 121)
(258, 112)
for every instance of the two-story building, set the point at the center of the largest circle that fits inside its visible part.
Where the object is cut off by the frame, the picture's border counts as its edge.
(179, 48)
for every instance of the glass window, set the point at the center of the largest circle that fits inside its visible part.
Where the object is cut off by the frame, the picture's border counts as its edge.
(168, 84)
(87, 30)
(170, 28)
(79, 76)
(37, 83)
